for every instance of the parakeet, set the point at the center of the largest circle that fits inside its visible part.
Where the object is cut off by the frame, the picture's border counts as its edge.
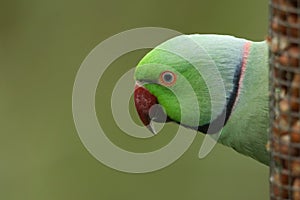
(209, 83)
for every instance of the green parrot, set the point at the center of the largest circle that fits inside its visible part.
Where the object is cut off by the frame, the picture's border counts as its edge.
(209, 83)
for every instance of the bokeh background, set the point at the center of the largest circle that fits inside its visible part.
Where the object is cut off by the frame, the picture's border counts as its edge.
(43, 43)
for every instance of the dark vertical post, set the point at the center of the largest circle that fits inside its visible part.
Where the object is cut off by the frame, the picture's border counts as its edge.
(284, 41)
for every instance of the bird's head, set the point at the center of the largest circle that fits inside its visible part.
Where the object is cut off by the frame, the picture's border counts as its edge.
(184, 80)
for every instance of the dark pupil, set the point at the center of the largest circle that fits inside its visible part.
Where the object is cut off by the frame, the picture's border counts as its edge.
(168, 77)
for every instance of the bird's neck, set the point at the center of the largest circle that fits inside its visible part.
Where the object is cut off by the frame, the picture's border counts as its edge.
(233, 74)
(247, 128)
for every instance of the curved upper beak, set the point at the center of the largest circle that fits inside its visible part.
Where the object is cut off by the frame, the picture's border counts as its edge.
(143, 101)
(147, 107)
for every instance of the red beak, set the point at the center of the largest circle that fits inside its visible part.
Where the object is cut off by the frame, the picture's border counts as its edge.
(144, 100)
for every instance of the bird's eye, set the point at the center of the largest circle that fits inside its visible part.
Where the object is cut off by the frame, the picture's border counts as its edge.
(167, 78)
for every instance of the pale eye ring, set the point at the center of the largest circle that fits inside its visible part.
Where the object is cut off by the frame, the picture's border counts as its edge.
(168, 78)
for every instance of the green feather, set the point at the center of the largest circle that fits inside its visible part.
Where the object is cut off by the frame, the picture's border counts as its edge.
(206, 67)
(247, 128)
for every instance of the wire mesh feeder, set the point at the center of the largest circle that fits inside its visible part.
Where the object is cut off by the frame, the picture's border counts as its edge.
(284, 41)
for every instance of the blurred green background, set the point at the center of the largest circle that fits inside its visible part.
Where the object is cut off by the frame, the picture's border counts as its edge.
(43, 43)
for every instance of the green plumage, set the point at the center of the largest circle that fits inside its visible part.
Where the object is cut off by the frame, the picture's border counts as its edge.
(208, 71)
(247, 128)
